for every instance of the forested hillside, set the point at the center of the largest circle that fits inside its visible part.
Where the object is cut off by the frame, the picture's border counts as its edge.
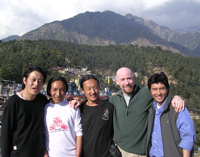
(184, 73)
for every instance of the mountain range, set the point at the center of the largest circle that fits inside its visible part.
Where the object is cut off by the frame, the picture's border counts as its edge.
(106, 28)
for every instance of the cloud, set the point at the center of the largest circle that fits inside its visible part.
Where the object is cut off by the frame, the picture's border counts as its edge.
(20, 16)
(177, 14)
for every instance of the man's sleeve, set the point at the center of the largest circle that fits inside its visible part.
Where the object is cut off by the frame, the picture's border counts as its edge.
(110, 99)
(8, 125)
(78, 125)
(186, 129)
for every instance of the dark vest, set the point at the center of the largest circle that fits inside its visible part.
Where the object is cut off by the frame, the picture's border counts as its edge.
(170, 135)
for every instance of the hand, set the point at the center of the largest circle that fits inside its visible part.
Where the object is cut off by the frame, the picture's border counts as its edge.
(178, 103)
(114, 93)
(45, 153)
(78, 155)
(75, 102)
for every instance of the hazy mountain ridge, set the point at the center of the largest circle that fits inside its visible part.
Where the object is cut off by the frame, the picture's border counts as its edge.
(190, 29)
(190, 40)
(94, 26)
(105, 28)
(12, 37)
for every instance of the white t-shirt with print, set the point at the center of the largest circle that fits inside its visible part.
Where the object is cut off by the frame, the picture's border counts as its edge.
(62, 125)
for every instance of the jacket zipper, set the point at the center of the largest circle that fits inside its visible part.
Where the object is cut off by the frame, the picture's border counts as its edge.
(126, 107)
(126, 111)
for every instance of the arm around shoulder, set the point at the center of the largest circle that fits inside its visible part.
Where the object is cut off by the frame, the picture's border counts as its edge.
(178, 103)
(75, 102)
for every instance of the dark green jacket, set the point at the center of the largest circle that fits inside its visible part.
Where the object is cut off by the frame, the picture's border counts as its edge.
(130, 124)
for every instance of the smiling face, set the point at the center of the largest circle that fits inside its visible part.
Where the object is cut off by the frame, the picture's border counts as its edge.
(33, 83)
(57, 91)
(125, 80)
(159, 92)
(91, 90)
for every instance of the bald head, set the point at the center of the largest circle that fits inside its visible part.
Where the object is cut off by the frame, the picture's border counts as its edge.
(125, 80)
(123, 70)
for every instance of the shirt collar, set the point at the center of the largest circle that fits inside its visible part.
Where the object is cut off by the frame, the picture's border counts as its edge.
(160, 110)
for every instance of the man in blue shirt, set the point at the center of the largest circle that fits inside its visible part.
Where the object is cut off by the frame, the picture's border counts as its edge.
(170, 134)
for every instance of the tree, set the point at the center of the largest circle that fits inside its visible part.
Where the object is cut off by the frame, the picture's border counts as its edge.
(10, 72)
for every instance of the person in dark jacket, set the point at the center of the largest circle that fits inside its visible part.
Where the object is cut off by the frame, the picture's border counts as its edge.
(23, 118)
(170, 134)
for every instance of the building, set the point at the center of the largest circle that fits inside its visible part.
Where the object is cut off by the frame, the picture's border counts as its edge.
(8, 88)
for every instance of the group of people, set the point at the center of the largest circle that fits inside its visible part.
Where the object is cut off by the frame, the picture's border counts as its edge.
(141, 122)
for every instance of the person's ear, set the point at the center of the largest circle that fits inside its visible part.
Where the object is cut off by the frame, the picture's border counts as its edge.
(82, 91)
(117, 82)
(24, 80)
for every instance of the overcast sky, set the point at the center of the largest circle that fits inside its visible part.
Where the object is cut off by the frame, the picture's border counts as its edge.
(18, 17)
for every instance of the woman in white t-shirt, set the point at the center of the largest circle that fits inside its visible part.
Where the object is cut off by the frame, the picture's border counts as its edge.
(63, 129)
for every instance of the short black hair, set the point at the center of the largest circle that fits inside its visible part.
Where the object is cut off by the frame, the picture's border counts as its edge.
(88, 77)
(53, 79)
(158, 78)
(30, 70)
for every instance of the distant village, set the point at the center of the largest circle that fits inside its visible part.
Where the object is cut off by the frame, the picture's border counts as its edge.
(9, 87)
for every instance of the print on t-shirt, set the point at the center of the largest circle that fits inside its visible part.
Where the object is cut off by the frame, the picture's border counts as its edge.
(105, 116)
(58, 125)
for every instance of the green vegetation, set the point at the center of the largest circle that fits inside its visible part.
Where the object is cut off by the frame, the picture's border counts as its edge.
(197, 128)
(183, 71)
